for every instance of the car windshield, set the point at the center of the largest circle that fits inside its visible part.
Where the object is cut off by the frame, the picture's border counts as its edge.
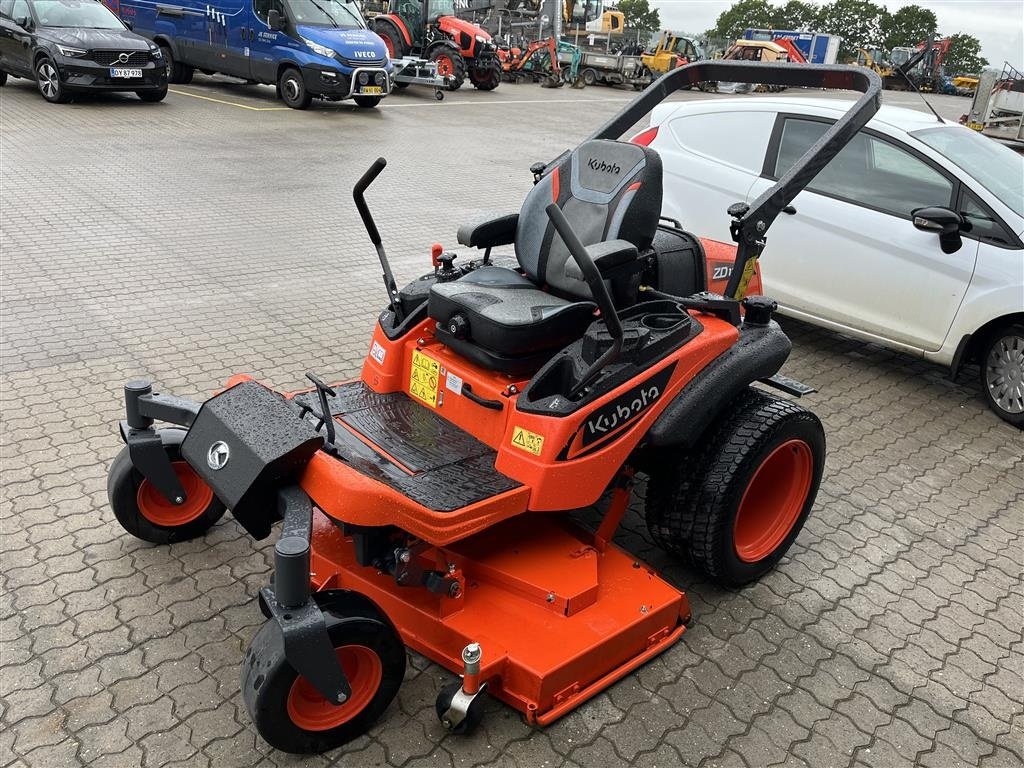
(326, 13)
(75, 13)
(999, 169)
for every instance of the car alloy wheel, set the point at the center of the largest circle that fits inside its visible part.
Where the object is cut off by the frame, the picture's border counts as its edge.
(49, 80)
(1004, 373)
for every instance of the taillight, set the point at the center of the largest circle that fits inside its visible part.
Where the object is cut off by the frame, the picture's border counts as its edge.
(644, 138)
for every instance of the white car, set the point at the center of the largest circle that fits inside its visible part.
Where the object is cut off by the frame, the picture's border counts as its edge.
(857, 254)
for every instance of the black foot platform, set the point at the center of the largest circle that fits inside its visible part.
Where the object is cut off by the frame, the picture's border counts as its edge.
(410, 448)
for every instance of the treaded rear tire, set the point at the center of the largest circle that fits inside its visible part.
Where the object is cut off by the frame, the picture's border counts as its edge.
(694, 500)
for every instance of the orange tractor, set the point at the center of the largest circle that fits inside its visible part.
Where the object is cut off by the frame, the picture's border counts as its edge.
(429, 28)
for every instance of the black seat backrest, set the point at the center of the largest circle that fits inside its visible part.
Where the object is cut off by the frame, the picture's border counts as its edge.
(607, 190)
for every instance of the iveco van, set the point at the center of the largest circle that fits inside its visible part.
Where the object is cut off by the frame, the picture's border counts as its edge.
(307, 48)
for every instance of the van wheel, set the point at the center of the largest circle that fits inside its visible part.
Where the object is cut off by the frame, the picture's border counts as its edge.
(176, 72)
(293, 89)
(366, 102)
(735, 506)
(1002, 373)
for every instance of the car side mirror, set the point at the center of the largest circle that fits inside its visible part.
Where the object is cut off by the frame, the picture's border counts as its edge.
(25, 22)
(943, 222)
(128, 25)
(274, 20)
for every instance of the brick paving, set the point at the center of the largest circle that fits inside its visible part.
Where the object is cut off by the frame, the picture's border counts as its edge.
(189, 240)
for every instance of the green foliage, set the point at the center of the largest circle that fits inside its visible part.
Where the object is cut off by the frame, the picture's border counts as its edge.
(909, 26)
(796, 15)
(964, 55)
(638, 15)
(858, 22)
(744, 14)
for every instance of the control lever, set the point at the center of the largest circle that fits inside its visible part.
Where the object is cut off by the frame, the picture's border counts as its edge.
(597, 288)
(325, 413)
(371, 229)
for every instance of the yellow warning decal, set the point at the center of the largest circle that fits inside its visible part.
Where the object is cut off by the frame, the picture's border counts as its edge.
(423, 378)
(529, 441)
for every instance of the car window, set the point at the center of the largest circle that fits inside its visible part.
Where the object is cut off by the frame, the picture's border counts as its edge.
(260, 8)
(984, 225)
(20, 10)
(868, 171)
(739, 139)
(5, 7)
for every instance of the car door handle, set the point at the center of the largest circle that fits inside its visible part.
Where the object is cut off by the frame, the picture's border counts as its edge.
(790, 210)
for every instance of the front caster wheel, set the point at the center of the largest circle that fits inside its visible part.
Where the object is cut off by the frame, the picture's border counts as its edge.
(470, 719)
(291, 715)
(735, 505)
(144, 512)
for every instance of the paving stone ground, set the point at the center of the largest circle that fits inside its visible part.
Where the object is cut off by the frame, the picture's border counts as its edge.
(193, 239)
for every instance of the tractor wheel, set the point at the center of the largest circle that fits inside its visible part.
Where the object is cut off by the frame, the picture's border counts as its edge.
(450, 64)
(143, 511)
(291, 715)
(734, 506)
(392, 41)
(485, 73)
(1002, 373)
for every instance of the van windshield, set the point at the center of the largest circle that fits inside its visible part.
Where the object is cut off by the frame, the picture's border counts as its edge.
(326, 13)
(75, 13)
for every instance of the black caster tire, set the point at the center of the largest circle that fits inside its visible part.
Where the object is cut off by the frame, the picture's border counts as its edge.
(143, 511)
(474, 715)
(735, 506)
(289, 713)
(366, 102)
(48, 82)
(450, 64)
(1001, 363)
(153, 96)
(293, 91)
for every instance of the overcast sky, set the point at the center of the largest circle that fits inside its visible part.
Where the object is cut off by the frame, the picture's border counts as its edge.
(999, 24)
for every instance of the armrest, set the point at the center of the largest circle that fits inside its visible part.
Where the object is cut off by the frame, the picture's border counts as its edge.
(489, 233)
(607, 256)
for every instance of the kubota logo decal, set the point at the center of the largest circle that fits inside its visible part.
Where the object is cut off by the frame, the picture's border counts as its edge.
(624, 409)
(601, 165)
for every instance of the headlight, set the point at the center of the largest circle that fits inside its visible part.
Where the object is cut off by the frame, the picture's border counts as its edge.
(364, 78)
(319, 50)
(72, 52)
(380, 78)
(155, 52)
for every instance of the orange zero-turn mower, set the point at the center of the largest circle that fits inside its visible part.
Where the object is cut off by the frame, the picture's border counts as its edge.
(423, 504)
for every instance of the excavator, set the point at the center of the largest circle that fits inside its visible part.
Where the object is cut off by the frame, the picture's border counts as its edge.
(922, 66)
(673, 50)
(553, 62)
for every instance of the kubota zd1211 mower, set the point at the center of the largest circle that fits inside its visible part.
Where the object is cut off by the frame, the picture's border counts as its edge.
(423, 504)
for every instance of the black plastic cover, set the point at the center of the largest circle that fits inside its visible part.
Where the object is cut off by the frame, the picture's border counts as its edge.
(264, 443)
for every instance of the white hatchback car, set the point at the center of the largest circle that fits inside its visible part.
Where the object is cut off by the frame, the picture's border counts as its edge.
(852, 256)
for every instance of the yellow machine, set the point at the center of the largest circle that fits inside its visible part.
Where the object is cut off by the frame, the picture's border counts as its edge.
(965, 82)
(871, 60)
(757, 50)
(672, 51)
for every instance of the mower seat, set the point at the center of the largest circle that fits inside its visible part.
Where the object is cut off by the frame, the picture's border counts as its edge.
(610, 192)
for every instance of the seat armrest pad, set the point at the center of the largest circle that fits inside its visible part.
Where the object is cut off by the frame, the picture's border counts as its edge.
(612, 253)
(489, 233)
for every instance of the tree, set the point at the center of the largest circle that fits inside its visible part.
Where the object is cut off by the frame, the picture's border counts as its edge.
(757, 14)
(909, 26)
(638, 15)
(796, 15)
(858, 22)
(964, 55)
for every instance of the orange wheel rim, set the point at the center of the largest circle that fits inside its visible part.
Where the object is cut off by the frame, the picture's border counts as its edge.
(444, 66)
(312, 712)
(159, 511)
(773, 500)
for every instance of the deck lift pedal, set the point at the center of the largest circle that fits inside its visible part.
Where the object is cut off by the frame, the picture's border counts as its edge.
(423, 504)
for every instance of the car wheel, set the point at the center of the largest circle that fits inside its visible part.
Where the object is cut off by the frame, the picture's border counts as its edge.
(293, 89)
(152, 96)
(1002, 373)
(48, 81)
(3, 77)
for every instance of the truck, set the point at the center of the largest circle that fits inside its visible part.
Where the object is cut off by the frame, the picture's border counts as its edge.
(308, 49)
(610, 68)
(816, 48)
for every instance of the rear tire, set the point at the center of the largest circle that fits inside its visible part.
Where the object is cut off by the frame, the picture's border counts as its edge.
(394, 44)
(450, 64)
(735, 505)
(1001, 360)
(293, 91)
(144, 513)
(289, 713)
(589, 76)
(486, 73)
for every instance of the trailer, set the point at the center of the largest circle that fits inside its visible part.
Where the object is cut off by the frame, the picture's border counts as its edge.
(610, 69)
(816, 48)
(998, 106)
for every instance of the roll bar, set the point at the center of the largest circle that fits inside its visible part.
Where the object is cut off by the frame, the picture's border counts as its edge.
(751, 222)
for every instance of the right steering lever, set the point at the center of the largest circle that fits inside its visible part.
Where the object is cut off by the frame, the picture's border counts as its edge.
(597, 288)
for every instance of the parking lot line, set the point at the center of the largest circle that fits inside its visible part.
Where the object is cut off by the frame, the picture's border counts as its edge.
(229, 103)
(447, 103)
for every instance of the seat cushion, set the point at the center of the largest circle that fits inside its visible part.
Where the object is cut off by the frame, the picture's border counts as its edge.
(507, 313)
